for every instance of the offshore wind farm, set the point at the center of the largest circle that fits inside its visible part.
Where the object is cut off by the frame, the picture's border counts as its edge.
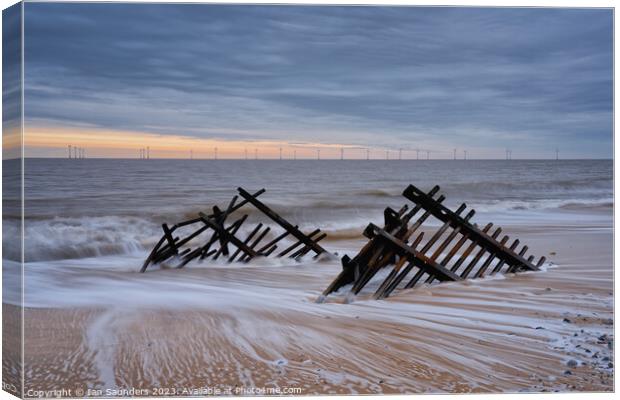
(352, 153)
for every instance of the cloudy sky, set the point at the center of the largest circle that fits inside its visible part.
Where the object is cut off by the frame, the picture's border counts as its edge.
(114, 77)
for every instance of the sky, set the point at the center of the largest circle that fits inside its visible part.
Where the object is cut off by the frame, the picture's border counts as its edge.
(114, 78)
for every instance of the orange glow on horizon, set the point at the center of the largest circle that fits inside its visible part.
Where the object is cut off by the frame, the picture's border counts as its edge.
(54, 142)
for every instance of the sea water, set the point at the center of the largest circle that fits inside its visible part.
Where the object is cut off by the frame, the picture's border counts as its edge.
(90, 223)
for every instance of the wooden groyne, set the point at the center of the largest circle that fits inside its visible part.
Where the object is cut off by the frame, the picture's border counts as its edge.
(413, 253)
(221, 227)
(457, 250)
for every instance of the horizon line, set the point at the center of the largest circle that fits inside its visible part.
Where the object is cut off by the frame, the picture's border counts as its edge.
(307, 159)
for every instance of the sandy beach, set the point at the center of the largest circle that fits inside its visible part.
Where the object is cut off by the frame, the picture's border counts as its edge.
(258, 328)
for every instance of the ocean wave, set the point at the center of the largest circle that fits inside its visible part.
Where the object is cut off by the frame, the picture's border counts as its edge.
(83, 237)
(602, 205)
(573, 185)
(572, 204)
(88, 237)
(378, 193)
(345, 234)
(68, 238)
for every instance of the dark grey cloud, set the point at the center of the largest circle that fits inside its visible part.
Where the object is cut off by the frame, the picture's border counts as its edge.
(11, 66)
(529, 79)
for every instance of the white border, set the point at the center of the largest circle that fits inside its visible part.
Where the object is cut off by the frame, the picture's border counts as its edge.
(474, 3)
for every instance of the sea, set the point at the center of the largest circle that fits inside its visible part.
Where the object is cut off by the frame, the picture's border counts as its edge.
(94, 215)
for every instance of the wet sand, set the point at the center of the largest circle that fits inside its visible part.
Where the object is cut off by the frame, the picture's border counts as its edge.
(258, 327)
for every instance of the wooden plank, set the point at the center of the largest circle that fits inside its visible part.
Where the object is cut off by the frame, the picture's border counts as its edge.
(306, 249)
(159, 253)
(233, 231)
(370, 246)
(153, 252)
(501, 262)
(255, 243)
(346, 275)
(469, 249)
(281, 221)
(184, 223)
(168, 251)
(450, 237)
(273, 242)
(201, 251)
(419, 259)
(165, 252)
(417, 207)
(376, 263)
(226, 235)
(232, 210)
(268, 252)
(260, 237)
(487, 262)
(446, 215)
(168, 236)
(303, 249)
(244, 202)
(446, 242)
(288, 249)
(382, 290)
(429, 245)
(190, 257)
(210, 253)
(190, 237)
(454, 250)
(207, 246)
(297, 243)
(514, 267)
(350, 268)
(478, 255)
(246, 241)
(379, 258)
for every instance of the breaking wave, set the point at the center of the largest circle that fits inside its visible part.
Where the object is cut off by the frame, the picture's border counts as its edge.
(83, 237)
(67, 238)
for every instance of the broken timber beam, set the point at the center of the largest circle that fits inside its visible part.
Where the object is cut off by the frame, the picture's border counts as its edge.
(456, 237)
(221, 237)
(417, 258)
(281, 221)
(226, 236)
(444, 214)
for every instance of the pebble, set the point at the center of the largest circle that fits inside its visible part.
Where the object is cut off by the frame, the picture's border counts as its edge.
(610, 365)
(566, 320)
(572, 363)
(567, 372)
(539, 327)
